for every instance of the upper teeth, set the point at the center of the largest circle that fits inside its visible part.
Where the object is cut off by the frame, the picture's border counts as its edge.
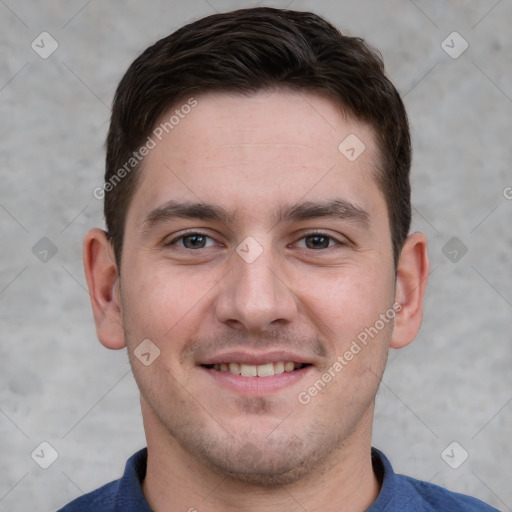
(261, 370)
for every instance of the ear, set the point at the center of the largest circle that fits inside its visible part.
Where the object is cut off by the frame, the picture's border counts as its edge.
(103, 281)
(411, 282)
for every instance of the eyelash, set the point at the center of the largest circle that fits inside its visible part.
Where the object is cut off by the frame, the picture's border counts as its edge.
(185, 235)
(310, 234)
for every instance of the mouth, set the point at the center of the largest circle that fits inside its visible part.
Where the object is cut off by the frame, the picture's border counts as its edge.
(264, 370)
(255, 374)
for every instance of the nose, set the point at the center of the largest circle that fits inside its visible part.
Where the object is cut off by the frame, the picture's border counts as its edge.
(255, 296)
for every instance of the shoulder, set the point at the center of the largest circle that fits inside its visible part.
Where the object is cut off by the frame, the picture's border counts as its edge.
(123, 495)
(433, 497)
(401, 493)
(101, 499)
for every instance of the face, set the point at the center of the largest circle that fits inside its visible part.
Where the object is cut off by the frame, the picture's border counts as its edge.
(256, 255)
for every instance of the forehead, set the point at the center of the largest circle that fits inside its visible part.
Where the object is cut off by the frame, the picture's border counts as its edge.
(270, 120)
(256, 150)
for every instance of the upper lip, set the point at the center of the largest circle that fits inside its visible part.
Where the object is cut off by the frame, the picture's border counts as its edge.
(255, 358)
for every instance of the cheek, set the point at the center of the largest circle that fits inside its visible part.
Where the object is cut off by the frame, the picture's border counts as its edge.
(162, 302)
(347, 300)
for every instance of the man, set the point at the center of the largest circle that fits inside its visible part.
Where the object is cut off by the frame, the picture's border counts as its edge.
(257, 266)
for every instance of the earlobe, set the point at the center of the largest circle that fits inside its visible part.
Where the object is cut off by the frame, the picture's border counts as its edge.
(411, 282)
(103, 281)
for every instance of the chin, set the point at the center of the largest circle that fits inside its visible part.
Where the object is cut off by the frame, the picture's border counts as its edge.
(266, 463)
(269, 479)
(266, 471)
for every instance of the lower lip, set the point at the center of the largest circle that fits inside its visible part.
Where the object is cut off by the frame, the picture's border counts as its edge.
(257, 385)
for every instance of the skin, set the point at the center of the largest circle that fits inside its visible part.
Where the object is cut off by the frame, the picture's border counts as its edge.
(218, 449)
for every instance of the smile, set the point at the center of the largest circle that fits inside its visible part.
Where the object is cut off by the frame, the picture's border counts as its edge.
(260, 370)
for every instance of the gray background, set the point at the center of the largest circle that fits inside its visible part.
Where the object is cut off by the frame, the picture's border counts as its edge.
(59, 385)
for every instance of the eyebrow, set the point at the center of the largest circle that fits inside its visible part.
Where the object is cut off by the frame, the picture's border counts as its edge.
(336, 209)
(185, 210)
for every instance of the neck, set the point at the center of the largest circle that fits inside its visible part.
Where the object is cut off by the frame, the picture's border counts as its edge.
(175, 480)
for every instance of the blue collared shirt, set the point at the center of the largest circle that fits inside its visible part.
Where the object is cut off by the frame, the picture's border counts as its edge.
(398, 493)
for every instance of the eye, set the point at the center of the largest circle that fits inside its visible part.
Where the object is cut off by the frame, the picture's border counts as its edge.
(318, 241)
(193, 240)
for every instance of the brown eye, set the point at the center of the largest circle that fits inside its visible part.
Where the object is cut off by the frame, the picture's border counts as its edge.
(317, 241)
(194, 241)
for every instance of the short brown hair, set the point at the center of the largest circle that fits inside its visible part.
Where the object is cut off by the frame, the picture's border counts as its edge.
(246, 51)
